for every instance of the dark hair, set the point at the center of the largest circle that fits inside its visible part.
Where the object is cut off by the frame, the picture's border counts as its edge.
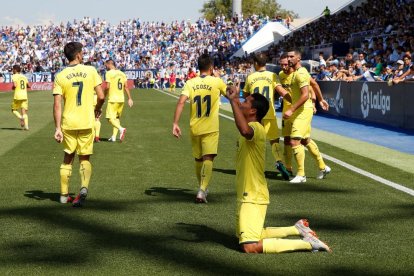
(204, 62)
(283, 56)
(260, 59)
(261, 104)
(297, 52)
(72, 49)
(110, 61)
(17, 68)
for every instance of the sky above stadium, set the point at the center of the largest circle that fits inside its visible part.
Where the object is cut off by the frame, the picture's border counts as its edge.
(30, 12)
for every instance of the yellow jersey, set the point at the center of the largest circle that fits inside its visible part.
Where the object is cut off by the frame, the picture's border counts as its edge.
(20, 83)
(77, 85)
(251, 183)
(300, 78)
(204, 95)
(116, 80)
(263, 82)
(285, 80)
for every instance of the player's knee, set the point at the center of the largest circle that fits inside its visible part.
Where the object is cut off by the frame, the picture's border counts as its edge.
(295, 142)
(251, 248)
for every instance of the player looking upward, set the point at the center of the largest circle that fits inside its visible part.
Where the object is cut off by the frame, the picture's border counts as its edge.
(20, 99)
(116, 82)
(251, 186)
(204, 95)
(74, 126)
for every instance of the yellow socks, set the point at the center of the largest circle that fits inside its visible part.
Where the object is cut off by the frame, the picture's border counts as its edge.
(279, 232)
(26, 121)
(116, 126)
(198, 166)
(206, 172)
(85, 171)
(284, 245)
(17, 114)
(276, 151)
(65, 173)
(314, 150)
(97, 128)
(299, 153)
(287, 154)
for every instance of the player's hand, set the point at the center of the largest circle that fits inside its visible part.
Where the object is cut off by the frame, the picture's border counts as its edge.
(324, 105)
(288, 113)
(58, 136)
(98, 113)
(130, 102)
(314, 109)
(232, 92)
(176, 131)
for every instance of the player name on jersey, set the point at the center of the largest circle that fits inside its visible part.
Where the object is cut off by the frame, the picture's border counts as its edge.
(202, 86)
(259, 79)
(76, 75)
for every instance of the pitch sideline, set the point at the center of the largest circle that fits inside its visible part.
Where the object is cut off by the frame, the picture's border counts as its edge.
(338, 162)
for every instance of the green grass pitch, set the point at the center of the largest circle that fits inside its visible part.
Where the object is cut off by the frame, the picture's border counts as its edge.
(140, 218)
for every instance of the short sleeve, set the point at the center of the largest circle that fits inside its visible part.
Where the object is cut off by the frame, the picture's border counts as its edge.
(57, 88)
(186, 90)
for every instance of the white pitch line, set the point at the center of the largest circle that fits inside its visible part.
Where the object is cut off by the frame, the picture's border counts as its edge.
(342, 163)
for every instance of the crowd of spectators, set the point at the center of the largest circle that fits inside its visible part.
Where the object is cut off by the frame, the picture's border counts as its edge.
(133, 44)
(175, 46)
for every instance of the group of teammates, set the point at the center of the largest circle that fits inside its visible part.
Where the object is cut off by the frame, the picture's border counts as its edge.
(203, 93)
(77, 85)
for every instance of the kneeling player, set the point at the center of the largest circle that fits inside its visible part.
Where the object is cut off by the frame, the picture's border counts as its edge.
(252, 191)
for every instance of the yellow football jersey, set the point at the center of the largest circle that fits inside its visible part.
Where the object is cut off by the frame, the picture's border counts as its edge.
(116, 80)
(285, 80)
(20, 83)
(251, 183)
(300, 78)
(204, 95)
(77, 85)
(263, 82)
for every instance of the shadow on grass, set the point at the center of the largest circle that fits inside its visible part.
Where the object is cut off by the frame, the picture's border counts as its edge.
(40, 195)
(201, 233)
(11, 128)
(268, 174)
(225, 171)
(101, 237)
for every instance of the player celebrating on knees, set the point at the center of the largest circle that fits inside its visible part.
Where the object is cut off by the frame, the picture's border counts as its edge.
(265, 83)
(204, 95)
(251, 186)
(20, 100)
(116, 82)
(74, 126)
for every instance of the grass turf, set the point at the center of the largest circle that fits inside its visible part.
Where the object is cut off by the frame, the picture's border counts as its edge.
(140, 216)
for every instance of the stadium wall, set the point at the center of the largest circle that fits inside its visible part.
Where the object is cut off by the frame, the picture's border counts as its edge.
(374, 102)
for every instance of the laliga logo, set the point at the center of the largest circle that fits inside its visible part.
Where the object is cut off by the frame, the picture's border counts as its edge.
(374, 101)
(337, 102)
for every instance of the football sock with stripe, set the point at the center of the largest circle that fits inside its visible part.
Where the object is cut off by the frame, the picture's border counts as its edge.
(26, 120)
(276, 151)
(97, 128)
(314, 150)
(85, 171)
(206, 172)
(65, 173)
(287, 154)
(284, 245)
(198, 167)
(279, 232)
(299, 154)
